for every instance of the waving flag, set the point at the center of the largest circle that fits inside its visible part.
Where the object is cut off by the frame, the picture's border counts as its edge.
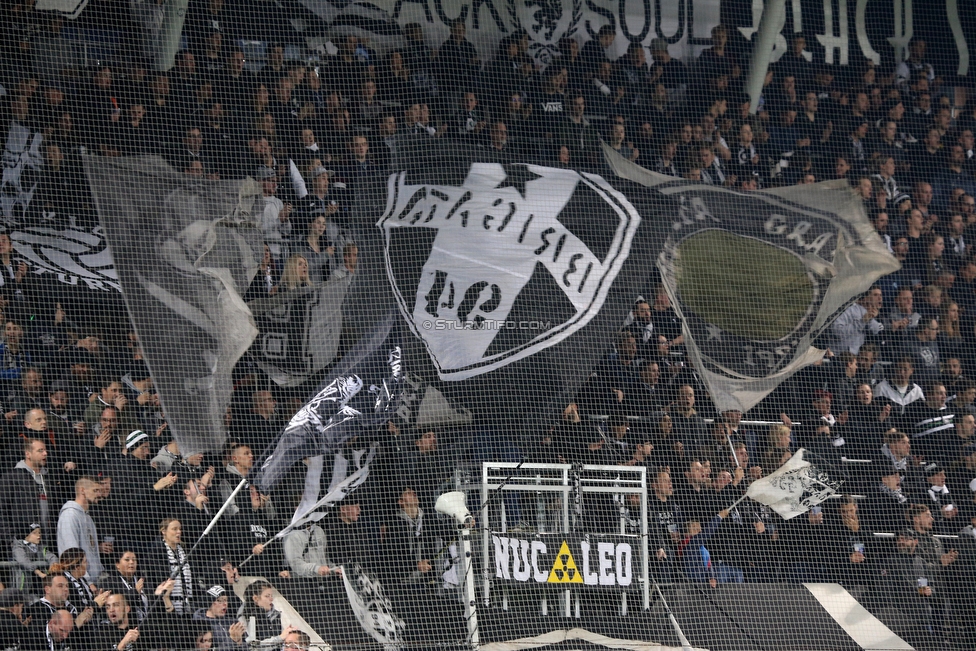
(795, 488)
(361, 395)
(756, 277)
(185, 249)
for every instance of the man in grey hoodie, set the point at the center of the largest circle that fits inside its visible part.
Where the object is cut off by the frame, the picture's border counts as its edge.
(77, 529)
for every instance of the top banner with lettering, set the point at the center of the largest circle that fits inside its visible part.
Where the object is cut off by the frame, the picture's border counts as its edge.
(567, 561)
(837, 31)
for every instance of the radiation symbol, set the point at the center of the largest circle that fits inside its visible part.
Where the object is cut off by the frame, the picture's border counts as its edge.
(564, 568)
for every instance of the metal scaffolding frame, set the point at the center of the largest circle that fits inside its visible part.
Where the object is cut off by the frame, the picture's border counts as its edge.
(565, 483)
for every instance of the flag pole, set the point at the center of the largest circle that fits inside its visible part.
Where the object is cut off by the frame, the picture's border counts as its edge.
(735, 503)
(186, 558)
(735, 457)
(685, 644)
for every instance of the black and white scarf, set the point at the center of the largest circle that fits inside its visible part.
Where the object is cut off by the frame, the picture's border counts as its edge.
(183, 590)
(85, 596)
(894, 494)
(143, 606)
(746, 154)
(940, 495)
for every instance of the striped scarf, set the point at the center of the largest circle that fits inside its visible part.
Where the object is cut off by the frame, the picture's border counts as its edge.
(183, 590)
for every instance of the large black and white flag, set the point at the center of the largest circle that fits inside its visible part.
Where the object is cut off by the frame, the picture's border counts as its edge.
(512, 277)
(360, 396)
(299, 330)
(185, 249)
(756, 277)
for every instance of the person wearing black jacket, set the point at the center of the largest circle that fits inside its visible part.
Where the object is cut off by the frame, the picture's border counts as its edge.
(805, 544)
(664, 519)
(139, 488)
(246, 534)
(54, 633)
(908, 587)
(115, 632)
(24, 492)
(126, 580)
(349, 541)
(408, 547)
(869, 418)
(13, 631)
(852, 555)
(887, 502)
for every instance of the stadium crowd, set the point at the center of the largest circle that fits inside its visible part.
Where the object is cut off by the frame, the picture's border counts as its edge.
(99, 506)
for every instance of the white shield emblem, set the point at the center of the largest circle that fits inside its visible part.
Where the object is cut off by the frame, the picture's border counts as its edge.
(514, 260)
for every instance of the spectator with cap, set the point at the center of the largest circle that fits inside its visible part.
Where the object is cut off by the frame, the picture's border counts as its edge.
(228, 631)
(140, 486)
(33, 558)
(887, 501)
(325, 198)
(934, 493)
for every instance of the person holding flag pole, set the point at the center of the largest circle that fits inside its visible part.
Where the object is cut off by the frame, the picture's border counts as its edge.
(794, 488)
(163, 595)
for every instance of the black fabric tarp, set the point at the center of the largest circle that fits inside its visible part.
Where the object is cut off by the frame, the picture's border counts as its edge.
(755, 617)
